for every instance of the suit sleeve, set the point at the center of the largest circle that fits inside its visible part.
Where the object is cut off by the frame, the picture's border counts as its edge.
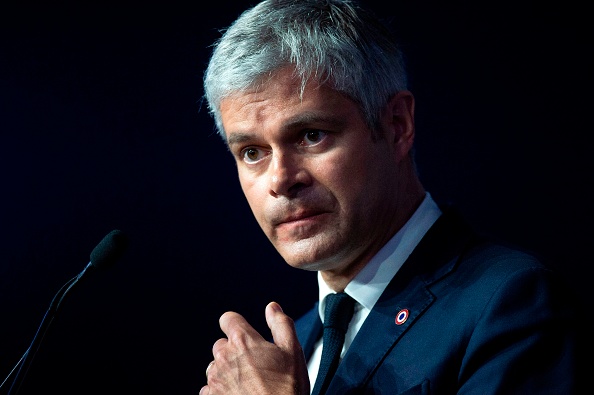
(524, 341)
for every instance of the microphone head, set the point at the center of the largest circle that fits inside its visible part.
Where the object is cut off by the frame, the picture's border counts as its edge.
(109, 250)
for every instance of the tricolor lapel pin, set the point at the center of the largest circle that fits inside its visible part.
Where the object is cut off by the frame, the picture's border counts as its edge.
(401, 317)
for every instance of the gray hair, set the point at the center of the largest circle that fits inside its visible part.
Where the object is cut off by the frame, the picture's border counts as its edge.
(327, 41)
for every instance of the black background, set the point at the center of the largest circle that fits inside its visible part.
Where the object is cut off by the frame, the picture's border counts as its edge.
(101, 128)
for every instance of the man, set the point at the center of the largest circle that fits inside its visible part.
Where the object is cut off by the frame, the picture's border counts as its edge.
(311, 98)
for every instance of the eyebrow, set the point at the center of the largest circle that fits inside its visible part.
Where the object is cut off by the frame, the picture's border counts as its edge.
(238, 138)
(299, 121)
(308, 118)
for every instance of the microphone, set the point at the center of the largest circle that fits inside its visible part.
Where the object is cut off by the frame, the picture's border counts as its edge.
(103, 256)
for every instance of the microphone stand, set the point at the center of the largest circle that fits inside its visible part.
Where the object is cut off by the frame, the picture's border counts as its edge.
(48, 318)
(103, 255)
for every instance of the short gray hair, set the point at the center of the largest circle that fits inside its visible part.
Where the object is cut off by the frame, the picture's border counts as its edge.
(328, 41)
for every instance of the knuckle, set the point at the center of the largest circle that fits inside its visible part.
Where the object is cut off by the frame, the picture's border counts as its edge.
(238, 338)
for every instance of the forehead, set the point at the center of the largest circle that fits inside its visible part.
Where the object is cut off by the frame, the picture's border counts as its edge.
(281, 97)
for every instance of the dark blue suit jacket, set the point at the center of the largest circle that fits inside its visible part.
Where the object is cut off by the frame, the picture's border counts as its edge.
(482, 319)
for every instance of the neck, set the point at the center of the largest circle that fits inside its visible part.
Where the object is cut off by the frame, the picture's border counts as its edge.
(408, 197)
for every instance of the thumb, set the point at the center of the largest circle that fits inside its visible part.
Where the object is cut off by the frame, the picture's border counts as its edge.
(282, 328)
(285, 338)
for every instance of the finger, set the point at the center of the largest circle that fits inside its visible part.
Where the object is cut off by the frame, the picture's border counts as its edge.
(235, 326)
(282, 327)
(204, 390)
(218, 345)
(284, 335)
(208, 368)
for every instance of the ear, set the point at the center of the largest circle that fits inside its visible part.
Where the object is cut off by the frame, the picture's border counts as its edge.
(399, 123)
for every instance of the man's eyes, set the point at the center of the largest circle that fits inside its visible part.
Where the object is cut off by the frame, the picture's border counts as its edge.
(309, 138)
(313, 137)
(252, 154)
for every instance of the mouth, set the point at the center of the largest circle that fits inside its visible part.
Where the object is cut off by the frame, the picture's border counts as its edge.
(296, 224)
(300, 217)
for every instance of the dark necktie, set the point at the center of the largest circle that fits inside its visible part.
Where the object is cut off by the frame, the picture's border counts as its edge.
(337, 315)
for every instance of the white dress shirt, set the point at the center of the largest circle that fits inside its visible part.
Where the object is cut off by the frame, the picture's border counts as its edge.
(373, 279)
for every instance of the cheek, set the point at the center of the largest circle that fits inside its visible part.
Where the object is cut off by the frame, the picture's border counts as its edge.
(344, 172)
(356, 178)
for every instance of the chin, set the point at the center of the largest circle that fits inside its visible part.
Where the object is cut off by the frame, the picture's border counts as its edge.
(310, 263)
(308, 266)
(309, 254)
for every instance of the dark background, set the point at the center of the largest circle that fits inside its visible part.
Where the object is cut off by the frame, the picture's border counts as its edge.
(101, 128)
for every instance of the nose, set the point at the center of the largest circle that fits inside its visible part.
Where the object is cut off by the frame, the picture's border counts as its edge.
(288, 175)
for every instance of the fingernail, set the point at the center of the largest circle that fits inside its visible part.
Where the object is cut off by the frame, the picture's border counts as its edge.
(276, 307)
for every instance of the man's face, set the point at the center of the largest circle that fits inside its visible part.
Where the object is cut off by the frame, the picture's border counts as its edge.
(322, 190)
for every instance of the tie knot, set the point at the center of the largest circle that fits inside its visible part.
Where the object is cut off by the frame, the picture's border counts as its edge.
(339, 311)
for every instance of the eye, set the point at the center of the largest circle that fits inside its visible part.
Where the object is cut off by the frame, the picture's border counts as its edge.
(252, 155)
(313, 137)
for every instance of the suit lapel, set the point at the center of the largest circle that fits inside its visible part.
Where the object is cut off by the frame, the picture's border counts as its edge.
(380, 332)
(404, 300)
(309, 330)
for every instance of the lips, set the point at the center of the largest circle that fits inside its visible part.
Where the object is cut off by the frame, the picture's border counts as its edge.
(296, 216)
(291, 214)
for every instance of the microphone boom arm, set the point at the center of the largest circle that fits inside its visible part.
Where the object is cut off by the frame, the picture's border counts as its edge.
(103, 255)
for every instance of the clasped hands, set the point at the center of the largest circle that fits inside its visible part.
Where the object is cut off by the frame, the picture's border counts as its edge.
(246, 363)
